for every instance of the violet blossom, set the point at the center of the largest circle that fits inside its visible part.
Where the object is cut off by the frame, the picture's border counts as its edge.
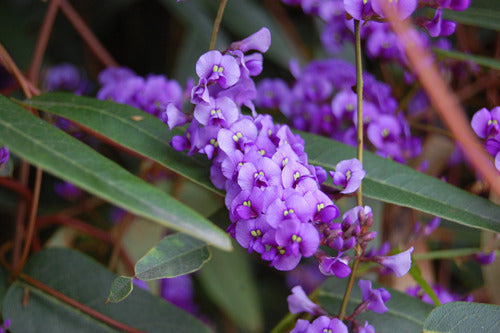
(399, 263)
(4, 155)
(373, 299)
(327, 324)
(299, 302)
(348, 174)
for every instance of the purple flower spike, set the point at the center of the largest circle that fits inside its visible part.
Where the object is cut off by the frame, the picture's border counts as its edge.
(484, 258)
(375, 298)
(299, 302)
(4, 155)
(325, 324)
(349, 174)
(403, 8)
(259, 41)
(223, 69)
(399, 263)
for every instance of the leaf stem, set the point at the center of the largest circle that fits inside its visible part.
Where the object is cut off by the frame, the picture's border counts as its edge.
(218, 19)
(359, 195)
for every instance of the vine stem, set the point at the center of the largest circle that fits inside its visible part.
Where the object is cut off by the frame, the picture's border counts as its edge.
(359, 194)
(218, 19)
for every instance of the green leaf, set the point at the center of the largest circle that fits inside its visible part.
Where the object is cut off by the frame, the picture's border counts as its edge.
(396, 183)
(175, 255)
(480, 60)
(121, 287)
(67, 158)
(416, 274)
(86, 281)
(406, 313)
(480, 17)
(463, 317)
(130, 127)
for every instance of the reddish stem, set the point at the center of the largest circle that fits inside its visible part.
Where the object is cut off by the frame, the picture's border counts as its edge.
(77, 305)
(17, 187)
(88, 36)
(42, 41)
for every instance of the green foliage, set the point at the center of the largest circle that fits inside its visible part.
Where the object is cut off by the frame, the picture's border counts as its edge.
(67, 158)
(463, 317)
(175, 255)
(84, 280)
(121, 287)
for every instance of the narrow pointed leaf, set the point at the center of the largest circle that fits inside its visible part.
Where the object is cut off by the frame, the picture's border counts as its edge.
(393, 182)
(87, 282)
(480, 60)
(463, 317)
(406, 313)
(67, 158)
(121, 287)
(480, 17)
(175, 255)
(130, 127)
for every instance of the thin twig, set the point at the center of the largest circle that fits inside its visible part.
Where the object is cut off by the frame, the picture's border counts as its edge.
(88, 36)
(42, 41)
(218, 19)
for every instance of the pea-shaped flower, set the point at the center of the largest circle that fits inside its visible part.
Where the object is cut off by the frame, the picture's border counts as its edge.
(348, 174)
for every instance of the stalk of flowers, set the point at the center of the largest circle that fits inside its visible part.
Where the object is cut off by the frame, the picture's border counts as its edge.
(321, 101)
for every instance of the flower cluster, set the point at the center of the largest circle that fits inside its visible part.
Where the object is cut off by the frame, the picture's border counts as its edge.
(273, 194)
(486, 125)
(153, 94)
(371, 299)
(321, 101)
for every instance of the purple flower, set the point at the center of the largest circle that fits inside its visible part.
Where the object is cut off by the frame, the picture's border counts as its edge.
(63, 77)
(298, 238)
(217, 112)
(441, 292)
(334, 266)
(271, 93)
(301, 326)
(403, 8)
(262, 173)
(458, 5)
(179, 291)
(348, 174)
(215, 67)
(259, 41)
(299, 302)
(68, 191)
(249, 233)
(399, 263)
(157, 91)
(439, 27)
(326, 324)
(4, 155)
(486, 123)
(484, 258)
(172, 116)
(366, 328)
(5, 325)
(374, 298)
(358, 9)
